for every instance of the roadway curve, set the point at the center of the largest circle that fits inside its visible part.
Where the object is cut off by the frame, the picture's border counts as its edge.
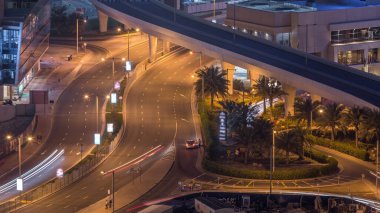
(74, 120)
(154, 104)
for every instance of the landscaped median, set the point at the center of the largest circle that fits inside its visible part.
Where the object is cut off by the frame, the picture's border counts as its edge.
(318, 164)
(344, 147)
(330, 167)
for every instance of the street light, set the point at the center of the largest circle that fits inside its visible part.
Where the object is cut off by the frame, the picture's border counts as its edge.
(113, 187)
(214, 19)
(84, 21)
(87, 97)
(85, 46)
(320, 110)
(113, 68)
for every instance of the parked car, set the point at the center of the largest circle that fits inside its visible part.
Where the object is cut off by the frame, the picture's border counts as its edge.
(192, 144)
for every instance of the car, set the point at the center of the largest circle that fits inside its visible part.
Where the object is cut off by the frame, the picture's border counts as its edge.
(192, 144)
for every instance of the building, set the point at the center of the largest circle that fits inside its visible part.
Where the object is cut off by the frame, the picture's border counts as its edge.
(24, 35)
(211, 205)
(344, 31)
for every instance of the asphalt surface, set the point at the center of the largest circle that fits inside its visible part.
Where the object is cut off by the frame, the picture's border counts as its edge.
(159, 100)
(359, 84)
(74, 119)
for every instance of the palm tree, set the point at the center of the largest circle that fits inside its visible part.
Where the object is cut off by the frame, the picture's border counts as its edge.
(304, 108)
(240, 117)
(274, 91)
(371, 122)
(354, 116)
(260, 89)
(292, 140)
(239, 85)
(214, 81)
(332, 117)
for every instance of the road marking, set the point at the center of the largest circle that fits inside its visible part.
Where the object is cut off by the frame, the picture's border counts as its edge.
(68, 196)
(185, 120)
(84, 187)
(134, 147)
(85, 197)
(66, 207)
(49, 205)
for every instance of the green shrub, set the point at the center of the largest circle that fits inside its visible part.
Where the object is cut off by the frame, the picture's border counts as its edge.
(279, 174)
(345, 147)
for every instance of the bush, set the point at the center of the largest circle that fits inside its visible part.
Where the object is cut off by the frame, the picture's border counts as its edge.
(345, 147)
(280, 174)
(207, 131)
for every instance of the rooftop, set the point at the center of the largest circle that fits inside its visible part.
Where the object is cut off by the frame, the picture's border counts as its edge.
(304, 6)
(213, 202)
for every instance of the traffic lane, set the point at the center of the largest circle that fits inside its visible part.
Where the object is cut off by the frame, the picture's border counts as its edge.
(185, 162)
(353, 169)
(64, 133)
(78, 200)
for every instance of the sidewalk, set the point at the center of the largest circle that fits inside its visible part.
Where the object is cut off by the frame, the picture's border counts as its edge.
(55, 75)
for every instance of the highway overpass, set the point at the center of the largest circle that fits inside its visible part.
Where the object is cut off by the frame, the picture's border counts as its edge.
(293, 68)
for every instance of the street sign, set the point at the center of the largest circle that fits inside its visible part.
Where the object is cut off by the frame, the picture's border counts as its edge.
(222, 126)
(59, 173)
(117, 86)
(113, 98)
(110, 127)
(97, 139)
(128, 66)
(19, 184)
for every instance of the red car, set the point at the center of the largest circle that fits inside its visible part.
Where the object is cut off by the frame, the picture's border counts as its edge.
(192, 144)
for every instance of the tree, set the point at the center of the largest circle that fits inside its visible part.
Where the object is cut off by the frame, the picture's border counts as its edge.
(239, 85)
(260, 89)
(354, 117)
(214, 80)
(371, 122)
(304, 108)
(59, 18)
(332, 117)
(274, 91)
(292, 141)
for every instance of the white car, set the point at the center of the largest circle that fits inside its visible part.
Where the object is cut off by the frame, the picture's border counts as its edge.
(192, 144)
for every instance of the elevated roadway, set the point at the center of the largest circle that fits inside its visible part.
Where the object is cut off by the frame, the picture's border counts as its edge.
(291, 67)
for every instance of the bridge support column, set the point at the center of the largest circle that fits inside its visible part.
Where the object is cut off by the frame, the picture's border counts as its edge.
(152, 48)
(230, 69)
(365, 67)
(253, 76)
(103, 21)
(165, 46)
(289, 99)
(315, 97)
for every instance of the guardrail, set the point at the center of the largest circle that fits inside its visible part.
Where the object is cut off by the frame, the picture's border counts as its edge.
(89, 163)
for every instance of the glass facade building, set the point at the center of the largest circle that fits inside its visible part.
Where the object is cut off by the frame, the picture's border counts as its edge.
(24, 35)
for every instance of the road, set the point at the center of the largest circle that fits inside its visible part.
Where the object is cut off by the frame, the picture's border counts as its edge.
(74, 119)
(154, 105)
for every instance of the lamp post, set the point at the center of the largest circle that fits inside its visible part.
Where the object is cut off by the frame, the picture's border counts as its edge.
(113, 67)
(85, 21)
(320, 111)
(200, 57)
(214, 19)
(112, 187)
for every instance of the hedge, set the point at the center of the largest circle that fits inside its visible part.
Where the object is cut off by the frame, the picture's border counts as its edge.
(343, 147)
(279, 174)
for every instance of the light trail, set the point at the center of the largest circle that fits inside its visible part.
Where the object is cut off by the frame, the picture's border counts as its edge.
(137, 159)
(34, 171)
